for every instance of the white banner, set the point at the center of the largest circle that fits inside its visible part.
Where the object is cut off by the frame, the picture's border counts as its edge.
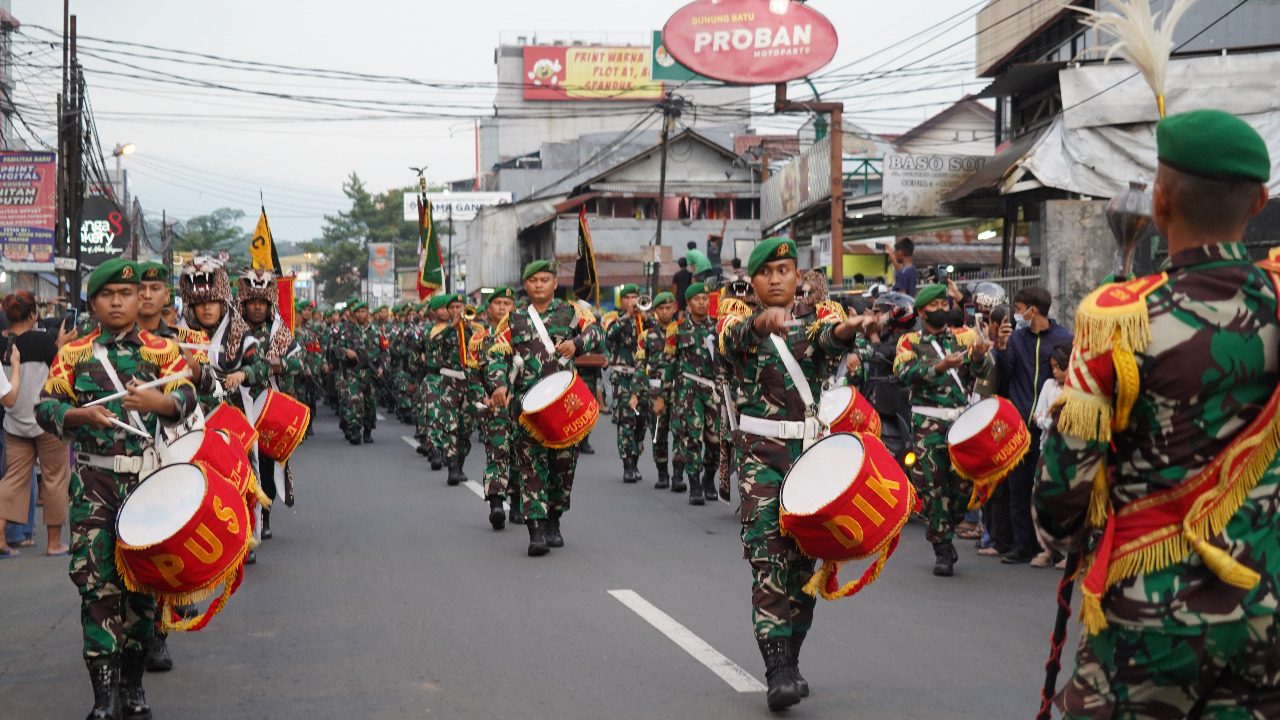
(465, 205)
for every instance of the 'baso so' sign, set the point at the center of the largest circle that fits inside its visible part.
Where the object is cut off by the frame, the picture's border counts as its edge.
(750, 42)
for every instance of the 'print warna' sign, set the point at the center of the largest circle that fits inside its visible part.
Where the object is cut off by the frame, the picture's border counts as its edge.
(750, 42)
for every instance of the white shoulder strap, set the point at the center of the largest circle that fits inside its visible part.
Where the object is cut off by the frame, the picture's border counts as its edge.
(793, 369)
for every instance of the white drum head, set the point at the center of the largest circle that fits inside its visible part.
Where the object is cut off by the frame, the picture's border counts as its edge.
(161, 505)
(822, 474)
(973, 421)
(546, 391)
(184, 448)
(833, 404)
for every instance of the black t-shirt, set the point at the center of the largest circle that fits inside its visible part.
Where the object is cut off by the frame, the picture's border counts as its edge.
(682, 280)
(36, 346)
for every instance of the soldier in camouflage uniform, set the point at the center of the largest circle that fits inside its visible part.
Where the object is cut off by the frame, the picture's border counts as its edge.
(623, 350)
(454, 418)
(1179, 449)
(659, 334)
(693, 373)
(358, 348)
(308, 333)
(500, 478)
(429, 373)
(770, 396)
(546, 474)
(940, 367)
(117, 623)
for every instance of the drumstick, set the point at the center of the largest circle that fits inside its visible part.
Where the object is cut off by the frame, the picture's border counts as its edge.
(195, 346)
(144, 386)
(128, 427)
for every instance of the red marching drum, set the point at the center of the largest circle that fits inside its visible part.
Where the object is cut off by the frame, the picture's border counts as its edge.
(182, 532)
(281, 424)
(845, 410)
(986, 443)
(213, 449)
(559, 410)
(845, 498)
(228, 417)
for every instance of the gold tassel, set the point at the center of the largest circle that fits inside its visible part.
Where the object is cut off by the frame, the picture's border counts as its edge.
(501, 349)
(1091, 613)
(1128, 381)
(1085, 416)
(1223, 565)
(819, 579)
(1099, 498)
(902, 358)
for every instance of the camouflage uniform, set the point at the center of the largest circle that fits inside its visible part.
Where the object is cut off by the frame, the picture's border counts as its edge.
(308, 336)
(455, 414)
(656, 383)
(1179, 636)
(696, 411)
(112, 618)
(357, 401)
(944, 494)
(500, 478)
(621, 343)
(546, 474)
(285, 381)
(780, 608)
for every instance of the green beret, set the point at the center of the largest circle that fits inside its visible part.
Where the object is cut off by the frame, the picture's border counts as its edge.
(380, 308)
(626, 290)
(115, 270)
(439, 300)
(538, 266)
(663, 298)
(770, 249)
(1213, 144)
(358, 305)
(502, 292)
(153, 271)
(929, 293)
(695, 289)
(172, 292)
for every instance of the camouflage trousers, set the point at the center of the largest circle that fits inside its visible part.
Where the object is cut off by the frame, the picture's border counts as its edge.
(428, 390)
(404, 399)
(661, 437)
(944, 494)
(779, 605)
(454, 419)
(546, 475)
(697, 425)
(631, 423)
(357, 400)
(500, 477)
(111, 617)
(1223, 671)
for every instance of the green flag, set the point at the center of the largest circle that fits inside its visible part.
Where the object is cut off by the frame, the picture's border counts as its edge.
(430, 262)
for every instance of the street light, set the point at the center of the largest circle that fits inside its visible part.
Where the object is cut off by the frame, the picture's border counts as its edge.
(121, 150)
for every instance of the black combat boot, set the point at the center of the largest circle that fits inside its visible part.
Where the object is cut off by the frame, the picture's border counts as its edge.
(436, 457)
(104, 673)
(664, 478)
(797, 639)
(629, 472)
(456, 476)
(158, 657)
(368, 435)
(945, 557)
(133, 699)
(537, 538)
(266, 524)
(783, 692)
(515, 516)
(422, 450)
(552, 530)
(353, 437)
(251, 558)
(497, 516)
(677, 478)
(695, 488)
(709, 489)
(584, 447)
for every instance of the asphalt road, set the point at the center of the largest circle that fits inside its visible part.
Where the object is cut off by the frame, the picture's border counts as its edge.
(386, 595)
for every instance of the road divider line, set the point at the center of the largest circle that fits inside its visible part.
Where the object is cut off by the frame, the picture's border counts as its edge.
(412, 443)
(380, 416)
(474, 487)
(729, 671)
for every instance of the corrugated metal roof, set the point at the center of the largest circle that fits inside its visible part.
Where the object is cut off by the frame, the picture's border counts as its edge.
(675, 188)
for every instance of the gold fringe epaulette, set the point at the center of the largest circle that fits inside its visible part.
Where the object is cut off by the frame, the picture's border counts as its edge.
(673, 330)
(501, 348)
(905, 350)
(609, 319)
(1117, 308)
(965, 336)
(585, 318)
(437, 329)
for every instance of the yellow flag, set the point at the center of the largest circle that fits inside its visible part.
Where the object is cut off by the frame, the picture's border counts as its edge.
(263, 249)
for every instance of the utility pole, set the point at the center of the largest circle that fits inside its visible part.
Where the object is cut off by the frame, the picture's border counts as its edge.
(449, 280)
(166, 246)
(782, 105)
(671, 107)
(74, 123)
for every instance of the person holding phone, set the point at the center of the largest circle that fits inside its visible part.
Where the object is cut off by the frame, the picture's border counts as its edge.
(25, 440)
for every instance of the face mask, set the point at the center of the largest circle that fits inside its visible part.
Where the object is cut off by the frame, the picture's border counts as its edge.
(1023, 322)
(937, 318)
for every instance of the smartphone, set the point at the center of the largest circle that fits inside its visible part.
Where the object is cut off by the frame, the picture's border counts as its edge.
(969, 313)
(69, 320)
(941, 273)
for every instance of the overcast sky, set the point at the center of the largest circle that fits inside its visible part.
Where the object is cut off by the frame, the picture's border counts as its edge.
(189, 163)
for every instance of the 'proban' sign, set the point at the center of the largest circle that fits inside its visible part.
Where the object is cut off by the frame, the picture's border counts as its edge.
(750, 42)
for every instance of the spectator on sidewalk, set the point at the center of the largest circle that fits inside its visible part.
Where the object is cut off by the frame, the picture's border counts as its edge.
(1022, 362)
(682, 280)
(905, 276)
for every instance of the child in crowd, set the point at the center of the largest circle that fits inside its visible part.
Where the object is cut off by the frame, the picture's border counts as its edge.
(1043, 417)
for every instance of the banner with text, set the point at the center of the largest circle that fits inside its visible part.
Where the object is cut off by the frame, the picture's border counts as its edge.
(914, 184)
(28, 209)
(589, 73)
(465, 205)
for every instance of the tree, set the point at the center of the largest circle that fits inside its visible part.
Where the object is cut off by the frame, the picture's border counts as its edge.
(212, 233)
(345, 238)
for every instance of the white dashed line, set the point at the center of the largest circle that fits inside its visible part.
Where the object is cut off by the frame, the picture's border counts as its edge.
(728, 670)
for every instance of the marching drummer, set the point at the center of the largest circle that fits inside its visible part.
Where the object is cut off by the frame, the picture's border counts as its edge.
(116, 623)
(940, 367)
(777, 366)
(531, 341)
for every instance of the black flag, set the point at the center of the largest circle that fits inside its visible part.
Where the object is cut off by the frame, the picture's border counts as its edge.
(586, 284)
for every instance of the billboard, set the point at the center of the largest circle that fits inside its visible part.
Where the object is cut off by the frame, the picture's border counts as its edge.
(914, 184)
(750, 42)
(667, 68)
(382, 263)
(465, 205)
(28, 209)
(104, 231)
(801, 184)
(589, 73)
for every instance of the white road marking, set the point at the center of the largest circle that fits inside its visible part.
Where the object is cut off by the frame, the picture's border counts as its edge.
(380, 416)
(728, 670)
(474, 487)
(412, 443)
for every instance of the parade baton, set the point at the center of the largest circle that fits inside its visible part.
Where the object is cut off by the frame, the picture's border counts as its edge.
(128, 427)
(144, 386)
(195, 346)
(1051, 668)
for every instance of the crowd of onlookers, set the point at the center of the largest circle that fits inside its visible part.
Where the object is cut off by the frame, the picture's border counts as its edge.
(36, 464)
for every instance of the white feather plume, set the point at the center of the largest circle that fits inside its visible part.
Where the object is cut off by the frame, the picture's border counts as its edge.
(1143, 38)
